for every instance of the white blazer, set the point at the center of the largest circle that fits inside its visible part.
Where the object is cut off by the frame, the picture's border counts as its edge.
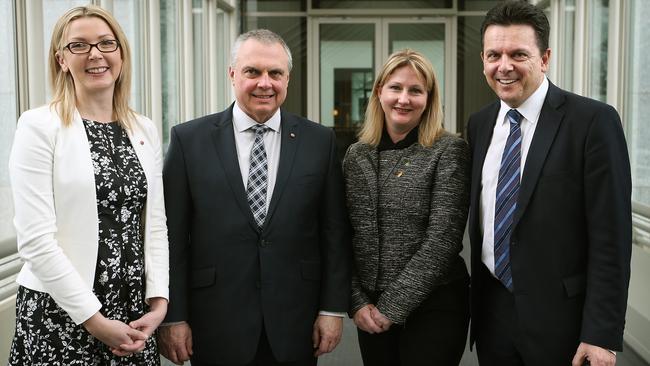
(56, 217)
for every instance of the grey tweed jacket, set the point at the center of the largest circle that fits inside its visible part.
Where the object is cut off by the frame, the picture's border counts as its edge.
(408, 209)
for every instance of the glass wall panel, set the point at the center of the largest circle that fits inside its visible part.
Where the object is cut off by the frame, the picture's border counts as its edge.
(473, 92)
(169, 46)
(294, 32)
(597, 56)
(426, 38)
(380, 4)
(9, 113)
(128, 13)
(637, 99)
(568, 44)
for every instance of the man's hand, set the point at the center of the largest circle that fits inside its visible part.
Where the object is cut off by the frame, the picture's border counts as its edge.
(327, 333)
(380, 319)
(363, 319)
(597, 356)
(175, 342)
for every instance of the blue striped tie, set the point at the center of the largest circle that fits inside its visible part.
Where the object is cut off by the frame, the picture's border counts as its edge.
(506, 199)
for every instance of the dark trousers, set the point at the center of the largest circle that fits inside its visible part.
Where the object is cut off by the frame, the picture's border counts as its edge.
(498, 337)
(434, 334)
(264, 357)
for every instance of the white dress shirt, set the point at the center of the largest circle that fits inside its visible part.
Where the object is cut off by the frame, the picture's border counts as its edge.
(244, 139)
(530, 109)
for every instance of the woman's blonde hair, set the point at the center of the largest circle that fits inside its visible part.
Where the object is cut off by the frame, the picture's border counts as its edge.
(431, 122)
(62, 83)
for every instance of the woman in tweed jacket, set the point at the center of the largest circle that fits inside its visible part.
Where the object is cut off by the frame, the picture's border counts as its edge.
(407, 186)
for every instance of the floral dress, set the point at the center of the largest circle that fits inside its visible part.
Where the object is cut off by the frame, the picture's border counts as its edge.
(45, 334)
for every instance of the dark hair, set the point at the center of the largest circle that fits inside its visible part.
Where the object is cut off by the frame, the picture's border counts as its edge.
(519, 12)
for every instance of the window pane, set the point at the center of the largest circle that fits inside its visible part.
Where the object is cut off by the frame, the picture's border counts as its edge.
(381, 4)
(637, 106)
(128, 12)
(272, 5)
(597, 56)
(170, 69)
(477, 4)
(52, 10)
(9, 111)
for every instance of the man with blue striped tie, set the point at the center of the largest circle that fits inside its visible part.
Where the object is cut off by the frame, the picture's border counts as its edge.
(550, 218)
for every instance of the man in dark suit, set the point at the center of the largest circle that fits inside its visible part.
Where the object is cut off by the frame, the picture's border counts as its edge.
(550, 218)
(258, 229)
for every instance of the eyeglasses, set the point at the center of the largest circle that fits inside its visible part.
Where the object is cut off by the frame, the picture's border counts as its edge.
(105, 46)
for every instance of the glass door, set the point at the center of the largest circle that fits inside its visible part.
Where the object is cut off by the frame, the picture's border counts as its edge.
(345, 55)
(426, 37)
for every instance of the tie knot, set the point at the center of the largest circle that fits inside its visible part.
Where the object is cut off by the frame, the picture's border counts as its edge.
(514, 116)
(259, 128)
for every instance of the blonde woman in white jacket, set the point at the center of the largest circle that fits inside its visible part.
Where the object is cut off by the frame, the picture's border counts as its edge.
(89, 212)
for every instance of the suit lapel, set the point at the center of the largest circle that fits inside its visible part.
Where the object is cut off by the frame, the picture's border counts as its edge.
(290, 138)
(550, 119)
(485, 129)
(223, 137)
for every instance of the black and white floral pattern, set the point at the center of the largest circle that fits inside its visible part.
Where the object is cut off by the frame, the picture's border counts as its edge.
(45, 334)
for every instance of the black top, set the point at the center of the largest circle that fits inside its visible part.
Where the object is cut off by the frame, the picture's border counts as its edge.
(387, 144)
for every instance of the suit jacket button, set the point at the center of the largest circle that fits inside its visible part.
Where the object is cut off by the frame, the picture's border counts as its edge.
(262, 243)
(513, 243)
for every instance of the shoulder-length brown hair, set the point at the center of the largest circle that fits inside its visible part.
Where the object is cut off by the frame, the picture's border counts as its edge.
(431, 123)
(62, 84)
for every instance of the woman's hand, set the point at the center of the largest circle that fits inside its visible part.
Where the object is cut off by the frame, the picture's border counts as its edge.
(116, 334)
(380, 319)
(151, 320)
(146, 324)
(363, 319)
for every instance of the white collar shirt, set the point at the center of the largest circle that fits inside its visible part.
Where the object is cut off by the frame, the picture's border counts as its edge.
(530, 110)
(244, 138)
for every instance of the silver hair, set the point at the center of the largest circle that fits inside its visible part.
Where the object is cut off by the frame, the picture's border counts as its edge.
(264, 36)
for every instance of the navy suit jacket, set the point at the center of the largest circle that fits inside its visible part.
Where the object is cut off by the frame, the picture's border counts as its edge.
(572, 231)
(227, 278)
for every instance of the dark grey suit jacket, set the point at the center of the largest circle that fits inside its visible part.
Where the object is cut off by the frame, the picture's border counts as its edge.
(571, 237)
(229, 280)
